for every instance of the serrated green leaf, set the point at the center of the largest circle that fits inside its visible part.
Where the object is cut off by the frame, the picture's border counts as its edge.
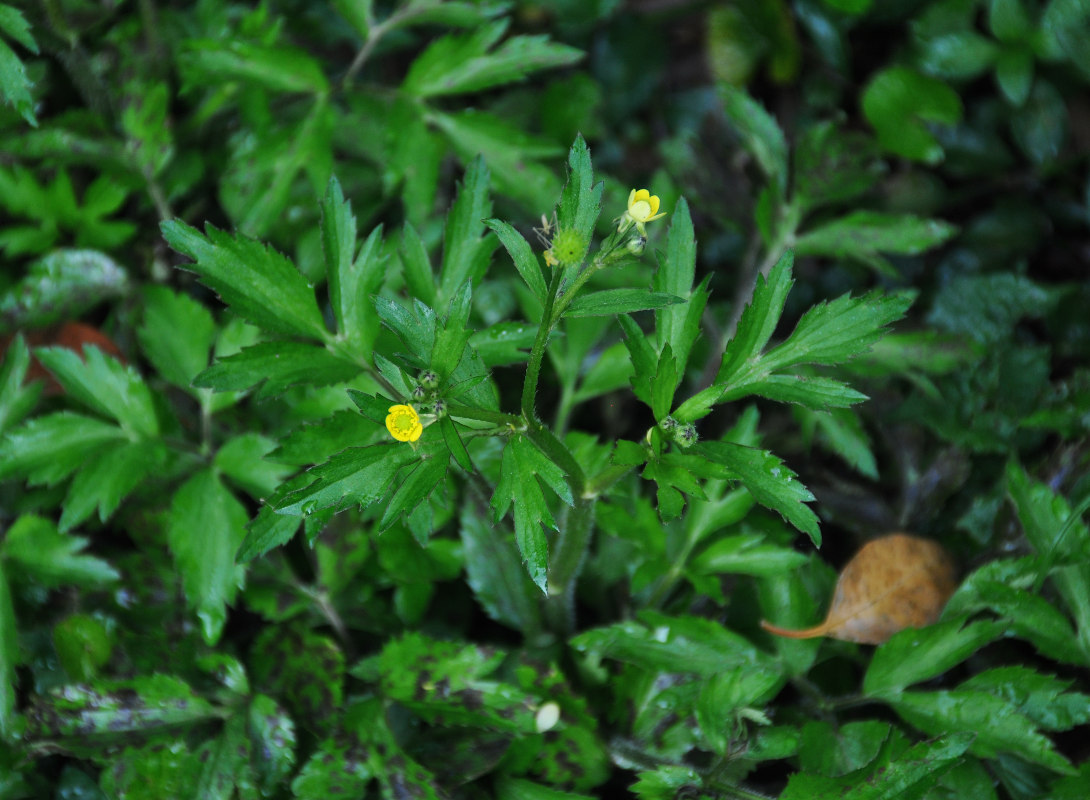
(608, 302)
(178, 358)
(61, 286)
(450, 342)
(1045, 516)
(522, 255)
(109, 478)
(266, 531)
(841, 431)
(48, 449)
(518, 789)
(352, 279)
(832, 165)
(773, 485)
(758, 320)
(105, 385)
(908, 775)
(14, 83)
(456, 64)
(415, 328)
(419, 483)
(272, 739)
(837, 331)
(995, 723)
(1042, 698)
(52, 558)
(16, 400)
(465, 251)
(581, 199)
(806, 390)
(276, 67)
(664, 382)
(723, 695)
(454, 443)
(862, 235)
(225, 762)
(452, 13)
(302, 668)
(205, 526)
(258, 283)
(643, 357)
(504, 343)
(339, 769)
(521, 466)
(276, 366)
(837, 751)
(356, 476)
(919, 654)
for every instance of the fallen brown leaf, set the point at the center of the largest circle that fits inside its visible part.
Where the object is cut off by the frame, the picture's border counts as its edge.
(895, 582)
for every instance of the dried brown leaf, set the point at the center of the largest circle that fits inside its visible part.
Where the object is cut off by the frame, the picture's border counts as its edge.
(898, 581)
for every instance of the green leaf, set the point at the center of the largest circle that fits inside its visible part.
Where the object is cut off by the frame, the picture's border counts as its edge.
(211, 62)
(225, 762)
(1046, 517)
(450, 342)
(258, 283)
(495, 574)
(997, 724)
(746, 554)
(109, 478)
(9, 658)
(447, 683)
(205, 526)
(841, 432)
(14, 83)
(276, 366)
(909, 775)
(1040, 697)
(758, 320)
(465, 251)
(356, 476)
(415, 328)
(109, 708)
(677, 268)
(659, 643)
(759, 131)
(664, 382)
(456, 64)
(919, 654)
(667, 782)
(414, 490)
(243, 460)
(352, 280)
(619, 301)
(899, 101)
(416, 264)
(832, 165)
(1014, 74)
(504, 343)
(163, 769)
(105, 385)
(521, 255)
(581, 199)
(863, 235)
(266, 531)
(52, 558)
(340, 769)
(176, 357)
(772, 484)
(48, 449)
(837, 751)
(522, 465)
(723, 695)
(643, 357)
(1040, 126)
(302, 668)
(517, 789)
(805, 390)
(16, 400)
(61, 286)
(512, 153)
(272, 742)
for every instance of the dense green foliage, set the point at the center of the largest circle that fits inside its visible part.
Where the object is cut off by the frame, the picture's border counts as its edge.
(229, 567)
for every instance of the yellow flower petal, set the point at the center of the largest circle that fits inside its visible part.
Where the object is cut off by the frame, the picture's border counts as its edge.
(403, 423)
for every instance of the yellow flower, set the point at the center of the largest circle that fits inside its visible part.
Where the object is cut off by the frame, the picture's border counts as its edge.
(550, 259)
(642, 206)
(403, 423)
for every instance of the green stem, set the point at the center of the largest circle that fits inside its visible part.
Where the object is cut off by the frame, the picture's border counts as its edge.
(565, 563)
(537, 353)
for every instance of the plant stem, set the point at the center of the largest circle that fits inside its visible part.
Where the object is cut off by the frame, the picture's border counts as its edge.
(565, 563)
(537, 353)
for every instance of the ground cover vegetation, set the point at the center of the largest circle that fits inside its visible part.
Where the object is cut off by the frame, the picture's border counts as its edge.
(421, 399)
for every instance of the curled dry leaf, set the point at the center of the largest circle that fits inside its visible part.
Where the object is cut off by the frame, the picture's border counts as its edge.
(895, 582)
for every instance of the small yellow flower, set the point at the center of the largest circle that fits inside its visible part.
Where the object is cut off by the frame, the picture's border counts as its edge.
(403, 423)
(643, 206)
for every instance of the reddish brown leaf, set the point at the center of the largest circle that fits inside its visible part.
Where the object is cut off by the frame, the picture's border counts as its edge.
(895, 582)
